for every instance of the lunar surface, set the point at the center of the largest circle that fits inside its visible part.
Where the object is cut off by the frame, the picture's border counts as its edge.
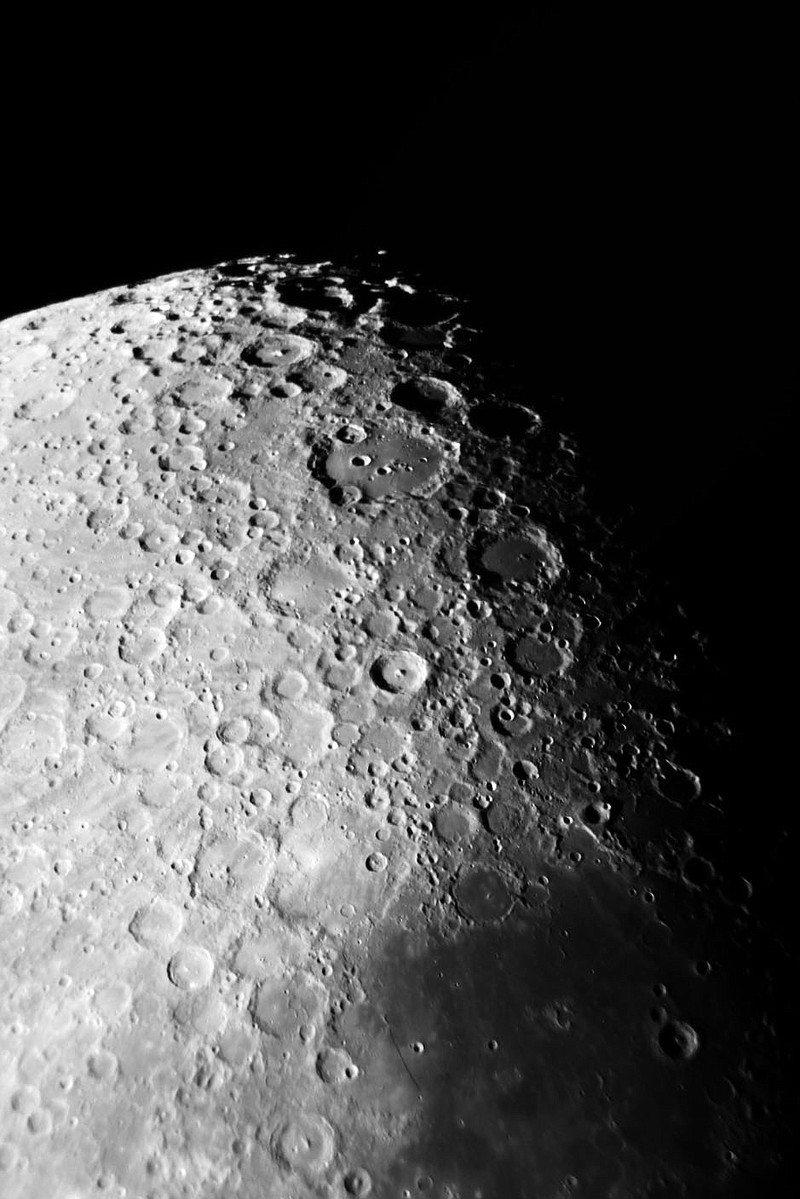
(357, 836)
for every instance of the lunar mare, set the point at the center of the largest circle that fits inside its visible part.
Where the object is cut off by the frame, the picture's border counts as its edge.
(349, 844)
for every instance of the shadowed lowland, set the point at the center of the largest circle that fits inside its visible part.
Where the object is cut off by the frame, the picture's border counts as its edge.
(364, 804)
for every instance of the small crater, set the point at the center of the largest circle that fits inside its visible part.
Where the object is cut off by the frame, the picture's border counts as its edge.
(678, 1041)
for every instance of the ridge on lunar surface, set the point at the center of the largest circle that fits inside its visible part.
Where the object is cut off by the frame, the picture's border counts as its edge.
(353, 830)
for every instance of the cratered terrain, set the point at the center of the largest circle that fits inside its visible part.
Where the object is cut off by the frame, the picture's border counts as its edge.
(356, 831)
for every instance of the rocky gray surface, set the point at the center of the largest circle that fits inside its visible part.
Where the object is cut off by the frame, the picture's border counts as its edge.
(349, 798)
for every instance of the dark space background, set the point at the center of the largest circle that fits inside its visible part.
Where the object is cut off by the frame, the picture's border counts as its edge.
(613, 192)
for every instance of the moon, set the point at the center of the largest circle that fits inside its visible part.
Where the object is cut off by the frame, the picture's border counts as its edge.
(357, 832)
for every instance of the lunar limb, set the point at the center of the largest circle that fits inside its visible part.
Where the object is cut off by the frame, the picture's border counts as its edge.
(352, 826)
